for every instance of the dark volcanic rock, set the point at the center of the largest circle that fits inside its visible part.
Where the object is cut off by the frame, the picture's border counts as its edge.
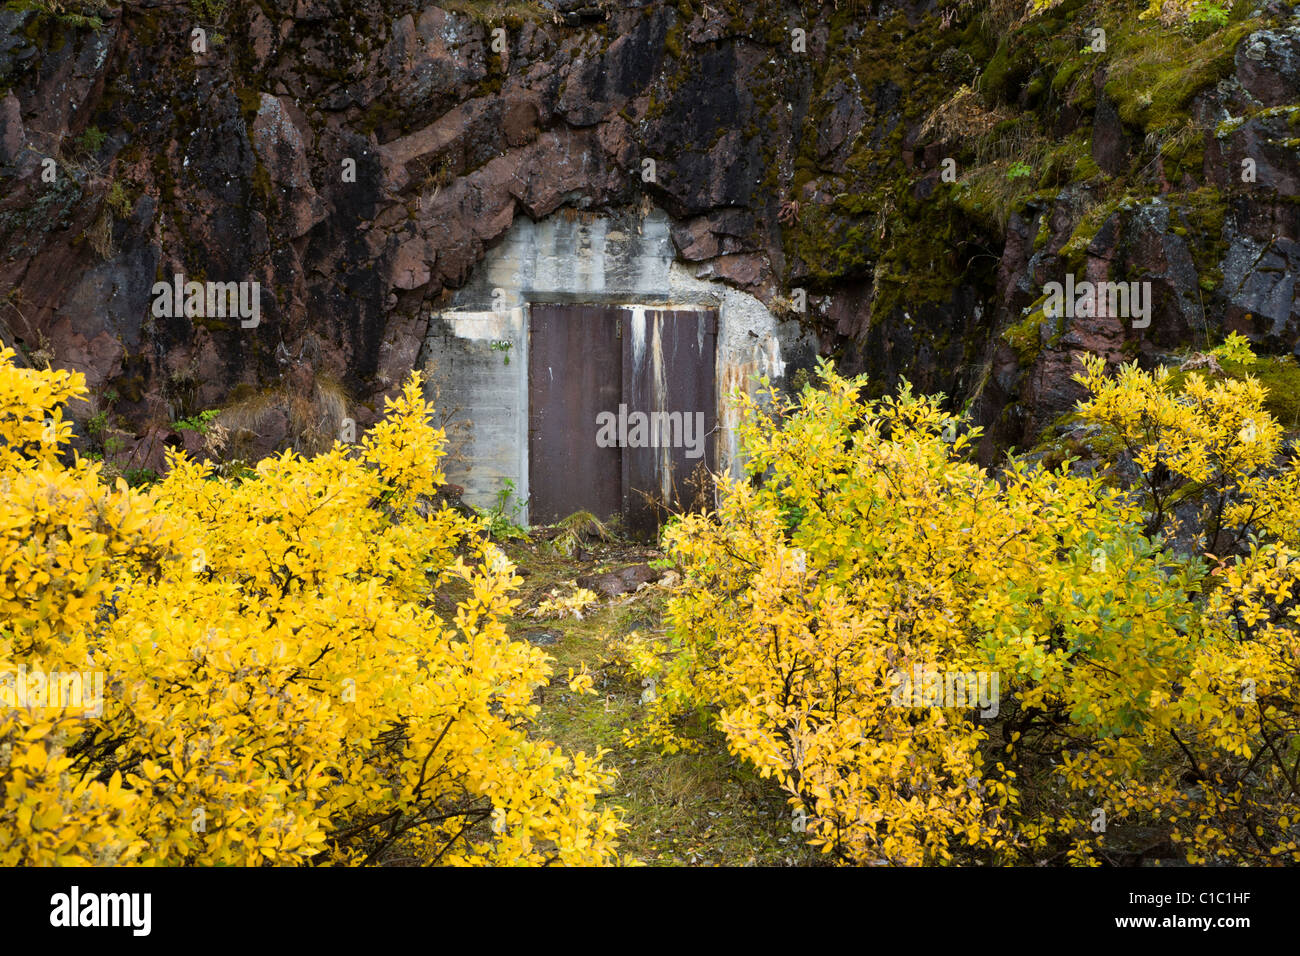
(359, 158)
(541, 637)
(613, 583)
(1268, 65)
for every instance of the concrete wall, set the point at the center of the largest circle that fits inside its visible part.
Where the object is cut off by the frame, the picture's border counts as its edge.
(575, 258)
(483, 391)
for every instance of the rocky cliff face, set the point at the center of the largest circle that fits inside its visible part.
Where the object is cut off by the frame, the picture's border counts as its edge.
(916, 173)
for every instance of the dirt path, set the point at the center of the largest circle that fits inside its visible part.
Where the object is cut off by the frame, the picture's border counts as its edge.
(702, 809)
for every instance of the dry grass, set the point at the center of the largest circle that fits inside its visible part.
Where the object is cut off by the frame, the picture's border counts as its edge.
(1022, 142)
(315, 418)
(1001, 16)
(576, 531)
(962, 116)
(990, 184)
(100, 234)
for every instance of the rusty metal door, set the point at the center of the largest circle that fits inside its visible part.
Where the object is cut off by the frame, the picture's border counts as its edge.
(668, 376)
(575, 371)
(651, 371)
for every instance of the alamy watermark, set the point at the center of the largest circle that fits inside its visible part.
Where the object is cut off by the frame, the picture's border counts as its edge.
(651, 430)
(211, 300)
(57, 690)
(1123, 300)
(927, 686)
(130, 910)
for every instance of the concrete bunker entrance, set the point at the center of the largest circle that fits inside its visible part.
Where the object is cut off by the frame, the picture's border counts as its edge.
(574, 366)
(622, 412)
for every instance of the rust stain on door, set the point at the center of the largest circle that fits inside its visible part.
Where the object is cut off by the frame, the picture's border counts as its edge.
(668, 377)
(622, 412)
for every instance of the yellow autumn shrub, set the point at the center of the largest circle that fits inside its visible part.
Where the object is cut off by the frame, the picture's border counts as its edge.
(1205, 442)
(277, 686)
(864, 557)
(1232, 721)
